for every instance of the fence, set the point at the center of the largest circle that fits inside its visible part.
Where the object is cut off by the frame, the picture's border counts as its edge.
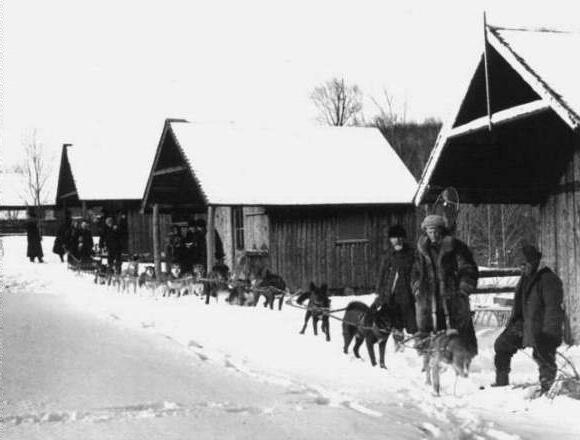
(493, 299)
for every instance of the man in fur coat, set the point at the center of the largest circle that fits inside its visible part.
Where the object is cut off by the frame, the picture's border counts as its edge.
(394, 280)
(444, 275)
(536, 321)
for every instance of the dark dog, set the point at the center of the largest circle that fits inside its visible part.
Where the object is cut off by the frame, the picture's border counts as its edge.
(318, 301)
(442, 349)
(270, 285)
(217, 282)
(369, 325)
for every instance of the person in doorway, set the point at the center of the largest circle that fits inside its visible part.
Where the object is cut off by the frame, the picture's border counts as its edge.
(394, 281)
(201, 246)
(536, 321)
(34, 239)
(444, 275)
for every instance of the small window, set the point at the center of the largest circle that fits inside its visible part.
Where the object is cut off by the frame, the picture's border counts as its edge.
(352, 228)
(238, 214)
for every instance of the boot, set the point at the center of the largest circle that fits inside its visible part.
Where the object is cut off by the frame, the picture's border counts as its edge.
(501, 379)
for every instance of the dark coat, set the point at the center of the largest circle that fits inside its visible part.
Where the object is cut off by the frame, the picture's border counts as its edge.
(33, 235)
(394, 279)
(450, 273)
(538, 310)
(85, 244)
(111, 240)
(60, 242)
(71, 241)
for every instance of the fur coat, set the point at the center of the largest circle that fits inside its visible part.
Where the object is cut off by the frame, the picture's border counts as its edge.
(450, 273)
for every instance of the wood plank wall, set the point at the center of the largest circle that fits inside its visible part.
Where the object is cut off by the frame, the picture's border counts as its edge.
(304, 248)
(560, 240)
(141, 231)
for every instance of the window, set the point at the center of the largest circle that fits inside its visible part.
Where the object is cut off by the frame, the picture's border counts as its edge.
(238, 217)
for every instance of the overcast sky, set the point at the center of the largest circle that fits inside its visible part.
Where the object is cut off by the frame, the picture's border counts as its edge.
(107, 73)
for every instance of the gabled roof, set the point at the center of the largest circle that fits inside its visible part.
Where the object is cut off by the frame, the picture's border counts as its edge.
(104, 175)
(534, 88)
(547, 61)
(317, 166)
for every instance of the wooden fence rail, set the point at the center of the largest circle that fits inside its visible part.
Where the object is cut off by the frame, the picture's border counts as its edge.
(497, 314)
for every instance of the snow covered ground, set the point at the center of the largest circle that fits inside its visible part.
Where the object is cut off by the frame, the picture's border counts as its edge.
(265, 345)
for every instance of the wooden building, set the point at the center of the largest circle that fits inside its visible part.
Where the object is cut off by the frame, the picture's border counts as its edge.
(314, 203)
(515, 138)
(91, 182)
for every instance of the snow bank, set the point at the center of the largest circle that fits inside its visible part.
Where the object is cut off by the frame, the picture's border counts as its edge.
(265, 345)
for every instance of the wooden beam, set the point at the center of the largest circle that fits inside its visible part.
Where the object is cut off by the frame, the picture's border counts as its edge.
(68, 194)
(156, 244)
(169, 170)
(210, 237)
(486, 69)
(502, 117)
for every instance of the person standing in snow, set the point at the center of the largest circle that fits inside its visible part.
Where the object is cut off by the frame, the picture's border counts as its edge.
(34, 249)
(394, 281)
(444, 275)
(536, 321)
(60, 242)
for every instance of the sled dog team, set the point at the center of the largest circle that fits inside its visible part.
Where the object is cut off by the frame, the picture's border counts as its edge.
(423, 292)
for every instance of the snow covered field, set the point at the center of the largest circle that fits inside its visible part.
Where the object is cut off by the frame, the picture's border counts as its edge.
(265, 345)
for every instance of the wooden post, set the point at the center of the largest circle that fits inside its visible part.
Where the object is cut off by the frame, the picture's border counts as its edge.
(233, 237)
(84, 209)
(156, 245)
(210, 237)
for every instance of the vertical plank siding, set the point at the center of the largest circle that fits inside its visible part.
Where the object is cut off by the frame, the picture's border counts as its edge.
(560, 240)
(304, 247)
(140, 228)
(574, 296)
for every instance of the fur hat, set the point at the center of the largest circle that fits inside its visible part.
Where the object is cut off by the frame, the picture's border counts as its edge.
(397, 231)
(433, 221)
(531, 254)
(200, 223)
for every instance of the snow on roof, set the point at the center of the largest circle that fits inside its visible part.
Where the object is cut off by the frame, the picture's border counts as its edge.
(14, 190)
(543, 58)
(109, 174)
(315, 166)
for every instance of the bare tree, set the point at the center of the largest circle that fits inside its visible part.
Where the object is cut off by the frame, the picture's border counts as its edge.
(495, 232)
(339, 104)
(36, 170)
(390, 113)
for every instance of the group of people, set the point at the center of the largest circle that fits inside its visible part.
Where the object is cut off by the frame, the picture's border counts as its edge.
(186, 246)
(428, 289)
(75, 238)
